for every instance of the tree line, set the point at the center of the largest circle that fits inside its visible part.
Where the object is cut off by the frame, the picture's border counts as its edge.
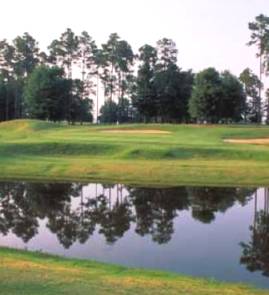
(67, 81)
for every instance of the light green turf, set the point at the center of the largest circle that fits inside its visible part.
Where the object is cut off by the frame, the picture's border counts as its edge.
(188, 155)
(25, 273)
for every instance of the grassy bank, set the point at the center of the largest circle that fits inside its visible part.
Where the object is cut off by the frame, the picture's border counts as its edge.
(180, 154)
(33, 274)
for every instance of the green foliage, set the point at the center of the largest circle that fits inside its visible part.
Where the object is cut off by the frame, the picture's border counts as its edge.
(26, 55)
(145, 98)
(79, 108)
(217, 97)
(163, 90)
(109, 112)
(63, 52)
(7, 53)
(233, 99)
(252, 85)
(167, 53)
(112, 112)
(124, 110)
(50, 96)
(173, 90)
(204, 105)
(260, 37)
(4, 103)
(11, 101)
(17, 62)
(116, 60)
(46, 93)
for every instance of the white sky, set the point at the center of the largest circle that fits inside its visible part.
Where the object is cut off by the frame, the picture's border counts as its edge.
(207, 32)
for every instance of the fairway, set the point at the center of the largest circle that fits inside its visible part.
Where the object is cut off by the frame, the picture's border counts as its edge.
(176, 154)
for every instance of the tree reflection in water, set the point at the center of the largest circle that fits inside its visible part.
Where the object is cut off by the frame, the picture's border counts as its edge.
(207, 201)
(74, 213)
(256, 253)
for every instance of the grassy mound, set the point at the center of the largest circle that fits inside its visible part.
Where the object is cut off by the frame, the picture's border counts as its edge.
(176, 154)
(26, 125)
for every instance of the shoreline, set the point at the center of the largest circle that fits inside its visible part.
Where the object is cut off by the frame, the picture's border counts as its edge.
(44, 274)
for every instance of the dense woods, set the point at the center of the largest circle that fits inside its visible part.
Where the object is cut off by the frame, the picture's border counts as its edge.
(67, 82)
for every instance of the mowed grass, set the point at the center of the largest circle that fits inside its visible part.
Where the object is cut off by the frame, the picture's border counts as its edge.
(25, 273)
(181, 154)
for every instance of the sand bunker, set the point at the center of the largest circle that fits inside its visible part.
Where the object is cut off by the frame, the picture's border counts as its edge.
(137, 131)
(261, 141)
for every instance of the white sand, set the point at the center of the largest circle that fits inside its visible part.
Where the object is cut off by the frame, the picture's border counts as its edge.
(261, 141)
(137, 131)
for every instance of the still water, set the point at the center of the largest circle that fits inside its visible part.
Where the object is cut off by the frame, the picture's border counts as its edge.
(221, 233)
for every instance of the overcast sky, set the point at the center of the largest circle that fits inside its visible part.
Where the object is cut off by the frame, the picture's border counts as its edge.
(207, 32)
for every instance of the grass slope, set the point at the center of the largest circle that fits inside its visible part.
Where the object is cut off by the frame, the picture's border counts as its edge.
(184, 154)
(24, 273)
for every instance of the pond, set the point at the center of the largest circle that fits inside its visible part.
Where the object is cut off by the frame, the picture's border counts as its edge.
(220, 233)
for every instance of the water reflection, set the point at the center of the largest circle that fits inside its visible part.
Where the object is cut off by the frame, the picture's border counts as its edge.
(153, 210)
(75, 212)
(206, 202)
(256, 252)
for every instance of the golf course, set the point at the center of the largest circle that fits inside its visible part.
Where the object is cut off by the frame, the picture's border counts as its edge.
(144, 154)
(139, 154)
(134, 147)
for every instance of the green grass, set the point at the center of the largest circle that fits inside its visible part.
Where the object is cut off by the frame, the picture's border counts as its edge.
(187, 155)
(25, 273)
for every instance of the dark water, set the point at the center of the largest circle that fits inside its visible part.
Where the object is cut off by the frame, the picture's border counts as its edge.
(220, 233)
